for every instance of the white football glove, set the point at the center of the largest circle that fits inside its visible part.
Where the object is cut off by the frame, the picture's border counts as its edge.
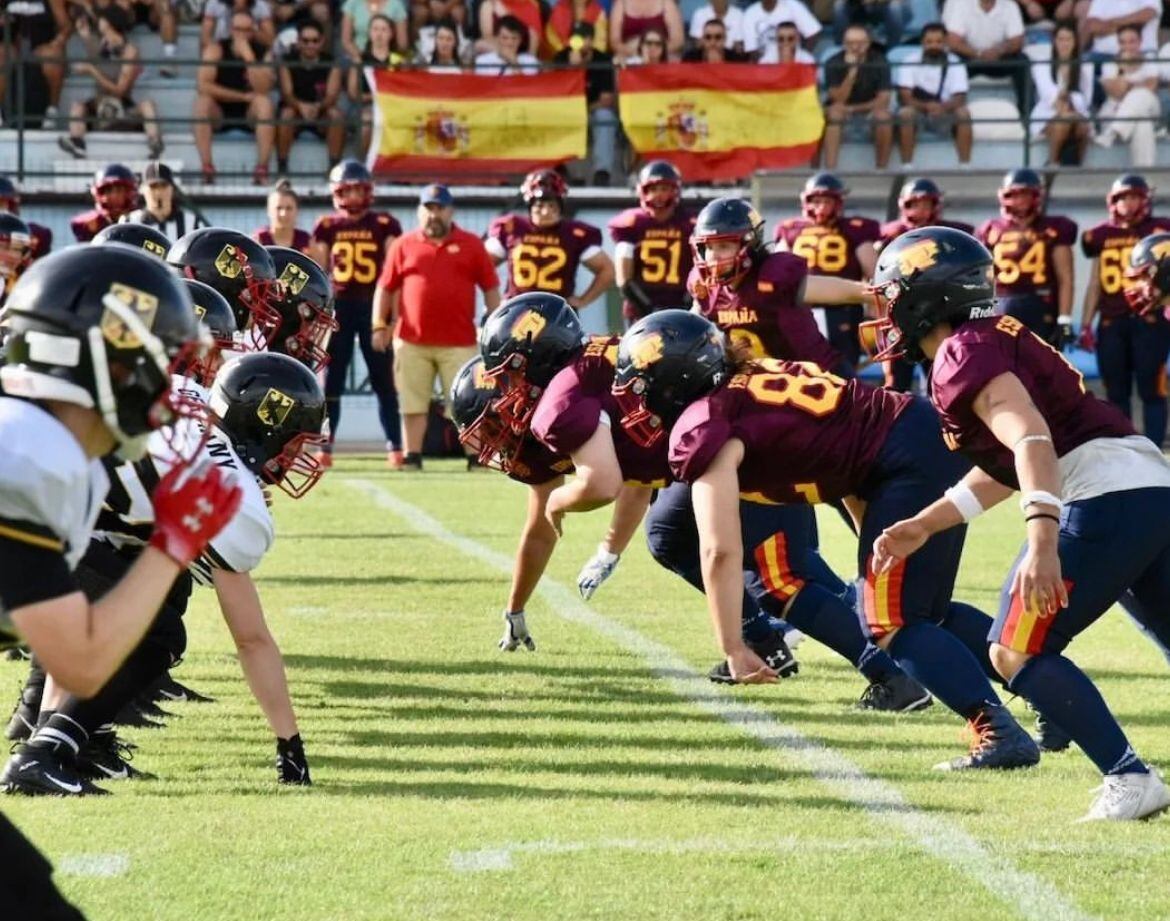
(515, 633)
(599, 568)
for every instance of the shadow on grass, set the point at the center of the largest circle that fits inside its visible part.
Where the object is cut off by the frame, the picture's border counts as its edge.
(382, 579)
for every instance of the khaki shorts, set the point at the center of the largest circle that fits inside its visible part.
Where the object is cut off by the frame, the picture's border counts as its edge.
(415, 368)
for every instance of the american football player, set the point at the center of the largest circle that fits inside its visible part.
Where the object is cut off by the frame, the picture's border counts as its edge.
(15, 251)
(115, 192)
(1033, 257)
(304, 300)
(1148, 273)
(835, 245)
(138, 235)
(653, 255)
(351, 243)
(1131, 345)
(10, 201)
(792, 433)
(1094, 495)
(544, 248)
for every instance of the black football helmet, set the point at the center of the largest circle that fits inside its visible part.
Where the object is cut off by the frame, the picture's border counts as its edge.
(352, 187)
(822, 200)
(103, 327)
(273, 411)
(215, 313)
(659, 187)
(665, 362)
(1148, 274)
(305, 303)
(237, 267)
(727, 219)
(115, 190)
(1021, 194)
(920, 202)
(1130, 199)
(480, 428)
(9, 196)
(137, 235)
(928, 276)
(15, 247)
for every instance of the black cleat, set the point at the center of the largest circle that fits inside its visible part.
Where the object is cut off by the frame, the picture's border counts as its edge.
(999, 742)
(292, 767)
(894, 693)
(167, 689)
(23, 722)
(39, 772)
(775, 653)
(106, 757)
(18, 654)
(1049, 736)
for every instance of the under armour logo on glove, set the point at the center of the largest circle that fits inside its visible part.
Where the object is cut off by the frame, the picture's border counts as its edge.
(203, 508)
(191, 506)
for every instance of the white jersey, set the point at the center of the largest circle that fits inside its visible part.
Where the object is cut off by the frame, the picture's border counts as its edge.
(45, 478)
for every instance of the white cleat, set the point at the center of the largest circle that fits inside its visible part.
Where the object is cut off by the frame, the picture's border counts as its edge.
(1126, 797)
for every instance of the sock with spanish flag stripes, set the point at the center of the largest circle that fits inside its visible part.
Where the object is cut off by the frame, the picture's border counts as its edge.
(1065, 695)
(825, 617)
(942, 664)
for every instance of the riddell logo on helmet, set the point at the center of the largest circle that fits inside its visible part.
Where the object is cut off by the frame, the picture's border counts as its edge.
(983, 313)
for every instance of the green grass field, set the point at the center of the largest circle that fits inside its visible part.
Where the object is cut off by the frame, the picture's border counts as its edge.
(595, 778)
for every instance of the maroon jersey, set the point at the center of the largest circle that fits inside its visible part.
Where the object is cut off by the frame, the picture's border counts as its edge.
(356, 248)
(42, 241)
(891, 230)
(300, 241)
(661, 253)
(571, 407)
(980, 351)
(88, 225)
(761, 314)
(534, 464)
(808, 435)
(1111, 244)
(1023, 255)
(829, 250)
(542, 258)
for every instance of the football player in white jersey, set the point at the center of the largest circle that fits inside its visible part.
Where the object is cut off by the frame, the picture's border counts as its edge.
(92, 335)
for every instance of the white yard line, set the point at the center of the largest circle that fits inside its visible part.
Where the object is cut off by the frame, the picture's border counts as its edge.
(102, 866)
(1031, 896)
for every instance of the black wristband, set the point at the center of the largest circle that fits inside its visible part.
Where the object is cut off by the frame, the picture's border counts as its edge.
(1042, 515)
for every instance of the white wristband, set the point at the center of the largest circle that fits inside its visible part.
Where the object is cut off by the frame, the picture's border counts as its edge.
(605, 556)
(1039, 497)
(1064, 320)
(961, 497)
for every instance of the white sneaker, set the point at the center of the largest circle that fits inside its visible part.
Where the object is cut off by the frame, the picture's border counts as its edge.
(50, 121)
(1104, 138)
(1126, 797)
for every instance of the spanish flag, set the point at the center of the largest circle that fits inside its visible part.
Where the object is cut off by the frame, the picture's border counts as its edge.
(475, 125)
(722, 121)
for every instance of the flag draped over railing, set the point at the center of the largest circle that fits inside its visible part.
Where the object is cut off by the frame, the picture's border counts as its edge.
(722, 121)
(448, 125)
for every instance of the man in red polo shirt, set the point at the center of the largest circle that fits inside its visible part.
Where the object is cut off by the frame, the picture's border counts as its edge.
(425, 304)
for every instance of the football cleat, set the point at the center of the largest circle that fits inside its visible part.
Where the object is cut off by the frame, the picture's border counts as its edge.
(23, 721)
(895, 693)
(166, 688)
(39, 772)
(1126, 797)
(516, 633)
(17, 654)
(1049, 736)
(998, 742)
(106, 757)
(292, 767)
(775, 653)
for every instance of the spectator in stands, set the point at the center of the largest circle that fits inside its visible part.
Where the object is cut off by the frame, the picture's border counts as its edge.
(651, 49)
(628, 19)
(788, 47)
(161, 199)
(310, 86)
(289, 14)
(217, 21)
(1045, 11)
(42, 237)
(859, 91)
(600, 96)
(989, 36)
(355, 25)
(891, 15)
(159, 15)
(114, 68)
(763, 18)
(44, 24)
(932, 92)
(713, 47)
(379, 54)
(1131, 109)
(1063, 83)
(231, 96)
(566, 14)
(425, 304)
(493, 12)
(445, 49)
(726, 12)
(283, 210)
(507, 58)
(1103, 19)
(427, 15)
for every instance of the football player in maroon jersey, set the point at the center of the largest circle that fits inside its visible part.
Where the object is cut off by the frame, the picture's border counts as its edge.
(42, 237)
(1131, 346)
(544, 249)
(1033, 258)
(1094, 495)
(115, 192)
(16, 242)
(351, 243)
(653, 256)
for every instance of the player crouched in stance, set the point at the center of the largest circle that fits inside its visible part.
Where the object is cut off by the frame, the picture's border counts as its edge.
(792, 432)
(93, 334)
(1095, 495)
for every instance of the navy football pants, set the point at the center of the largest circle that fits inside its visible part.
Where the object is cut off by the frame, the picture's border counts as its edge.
(1132, 348)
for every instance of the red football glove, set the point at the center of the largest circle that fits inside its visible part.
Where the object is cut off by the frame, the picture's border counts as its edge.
(1086, 341)
(191, 506)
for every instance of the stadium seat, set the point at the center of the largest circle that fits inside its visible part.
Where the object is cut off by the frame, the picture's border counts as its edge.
(995, 120)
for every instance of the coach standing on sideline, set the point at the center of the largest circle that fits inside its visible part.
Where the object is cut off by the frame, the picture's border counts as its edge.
(426, 301)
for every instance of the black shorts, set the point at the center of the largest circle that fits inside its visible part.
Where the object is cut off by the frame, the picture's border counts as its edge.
(235, 117)
(26, 881)
(39, 29)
